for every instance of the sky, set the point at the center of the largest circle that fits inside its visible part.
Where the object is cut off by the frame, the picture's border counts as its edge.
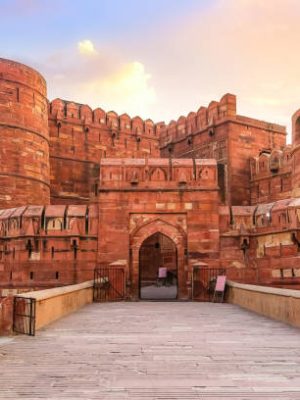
(161, 58)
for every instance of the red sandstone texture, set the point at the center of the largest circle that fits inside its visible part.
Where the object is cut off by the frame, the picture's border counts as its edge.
(24, 136)
(6, 315)
(223, 188)
(80, 138)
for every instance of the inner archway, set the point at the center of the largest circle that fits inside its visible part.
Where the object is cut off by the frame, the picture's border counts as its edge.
(158, 268)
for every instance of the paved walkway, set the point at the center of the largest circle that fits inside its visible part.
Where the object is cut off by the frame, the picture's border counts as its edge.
(154, 292)
(154, 350)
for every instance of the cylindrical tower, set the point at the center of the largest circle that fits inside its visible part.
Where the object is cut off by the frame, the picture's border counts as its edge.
(24, 137)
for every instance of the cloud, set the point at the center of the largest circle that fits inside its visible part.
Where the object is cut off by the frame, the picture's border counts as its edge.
(104, 80)
(86, 47)
(128, 89)
(246, 47)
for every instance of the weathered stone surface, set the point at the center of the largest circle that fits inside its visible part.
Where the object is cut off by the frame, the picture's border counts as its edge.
(222, 187)
(152, 350)
(24, 136)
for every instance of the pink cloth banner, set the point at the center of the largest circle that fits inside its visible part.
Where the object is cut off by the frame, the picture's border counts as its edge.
(220, 285)
(162, 272)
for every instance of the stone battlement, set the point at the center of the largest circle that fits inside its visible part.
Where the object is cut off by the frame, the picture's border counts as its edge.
(62, 110)
(158, 173)
(207, 118)
(53, 220)
(82, 188)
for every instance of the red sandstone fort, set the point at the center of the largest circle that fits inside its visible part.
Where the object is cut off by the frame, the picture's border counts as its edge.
(81, 188)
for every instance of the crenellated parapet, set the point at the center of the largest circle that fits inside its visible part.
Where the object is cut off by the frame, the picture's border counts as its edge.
(206, 118)
(44, 246)
(158, 174)
(218, 132)
(271, 162)
(274, 217)
(271, 175)
(63, 111)
(80, 137)
(51, 220)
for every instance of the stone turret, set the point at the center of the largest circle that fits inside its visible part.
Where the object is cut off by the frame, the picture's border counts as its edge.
(24, 138)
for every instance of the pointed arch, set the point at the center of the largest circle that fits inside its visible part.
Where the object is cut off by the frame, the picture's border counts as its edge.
(172, 231)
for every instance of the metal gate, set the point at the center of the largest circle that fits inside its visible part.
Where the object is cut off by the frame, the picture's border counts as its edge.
(109, 284)
(24, 315)
(204, 281)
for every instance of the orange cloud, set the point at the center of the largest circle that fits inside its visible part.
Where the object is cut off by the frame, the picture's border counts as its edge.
(246, 47)
(126, 90)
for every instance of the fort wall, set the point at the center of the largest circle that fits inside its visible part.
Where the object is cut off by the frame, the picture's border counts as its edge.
(80, 137)
(178, 198)
(271, 176)
(222, 187)
(219, 132)
(24, 137)
(45, 246)
(262, 242)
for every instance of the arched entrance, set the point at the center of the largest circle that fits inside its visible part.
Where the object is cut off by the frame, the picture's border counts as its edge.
(158, 265)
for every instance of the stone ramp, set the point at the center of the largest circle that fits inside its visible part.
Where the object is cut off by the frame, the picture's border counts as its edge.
(155, 350)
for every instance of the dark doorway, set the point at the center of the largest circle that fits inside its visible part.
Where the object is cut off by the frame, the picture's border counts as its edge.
(158, 268)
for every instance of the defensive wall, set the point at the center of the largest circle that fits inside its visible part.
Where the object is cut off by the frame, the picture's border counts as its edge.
(45, 246)
(80, 137)
(81, 187)
(24, 136)
(218, 132)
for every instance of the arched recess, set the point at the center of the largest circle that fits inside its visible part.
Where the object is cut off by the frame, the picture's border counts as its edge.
(173, 232)
(158, 251)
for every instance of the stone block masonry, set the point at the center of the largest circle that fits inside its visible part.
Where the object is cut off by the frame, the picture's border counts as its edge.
(81, 188)
(24, 136)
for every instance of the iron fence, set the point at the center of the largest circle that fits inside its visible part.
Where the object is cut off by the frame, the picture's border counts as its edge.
(109, 284)
(204, 281)
(24, 315)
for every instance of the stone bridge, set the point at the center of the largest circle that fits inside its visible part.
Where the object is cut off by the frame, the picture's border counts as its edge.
(154, 350)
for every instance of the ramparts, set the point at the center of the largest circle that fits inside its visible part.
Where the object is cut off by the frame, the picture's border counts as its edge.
(81, 137)
(24, 137)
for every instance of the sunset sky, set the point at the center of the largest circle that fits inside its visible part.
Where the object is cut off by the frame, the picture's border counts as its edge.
(161, 58)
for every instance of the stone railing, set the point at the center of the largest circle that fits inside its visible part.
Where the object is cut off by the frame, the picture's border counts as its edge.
(6, 315)
(52, 304)
(280, 304)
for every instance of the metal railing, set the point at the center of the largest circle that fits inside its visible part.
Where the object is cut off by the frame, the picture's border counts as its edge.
(24, 313)
(109, 284)
(204, 281)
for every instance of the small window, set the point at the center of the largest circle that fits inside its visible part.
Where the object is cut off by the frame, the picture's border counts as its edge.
(31, 275)
(56, 275)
